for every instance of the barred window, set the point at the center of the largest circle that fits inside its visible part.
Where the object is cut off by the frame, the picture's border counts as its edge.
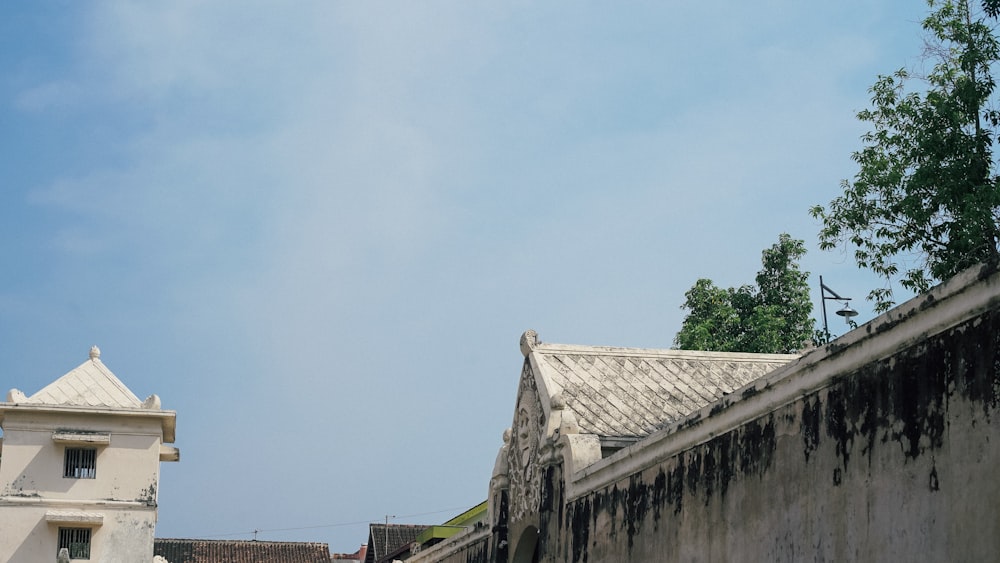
(77, 541)
(80, 463)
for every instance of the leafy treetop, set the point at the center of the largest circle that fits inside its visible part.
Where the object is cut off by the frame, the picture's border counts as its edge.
(771, 317)
(924, 203)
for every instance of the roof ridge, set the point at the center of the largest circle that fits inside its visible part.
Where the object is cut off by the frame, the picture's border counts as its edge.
(550, 347)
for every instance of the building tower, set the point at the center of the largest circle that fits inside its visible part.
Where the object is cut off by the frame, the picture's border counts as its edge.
(80, 469)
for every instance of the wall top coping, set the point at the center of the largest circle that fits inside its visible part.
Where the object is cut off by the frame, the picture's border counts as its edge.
(965, 296)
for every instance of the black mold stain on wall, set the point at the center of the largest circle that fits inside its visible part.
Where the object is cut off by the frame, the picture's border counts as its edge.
(675, 486)
(659, 496)
(636, 505)
(900, 402)
(499, 536)
(148, 495)
(707, 469)
(547, 504)
(811, 415)
(579, 520)
(477, 554)
(905, 399)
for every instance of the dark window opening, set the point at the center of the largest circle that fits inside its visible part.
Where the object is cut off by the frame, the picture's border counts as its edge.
(80, 463)
(76, 540)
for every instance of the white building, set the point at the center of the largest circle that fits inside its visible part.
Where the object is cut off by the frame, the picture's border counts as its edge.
(80, 468)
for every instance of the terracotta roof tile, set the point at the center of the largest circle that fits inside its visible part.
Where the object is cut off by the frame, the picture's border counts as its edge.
(240, 551)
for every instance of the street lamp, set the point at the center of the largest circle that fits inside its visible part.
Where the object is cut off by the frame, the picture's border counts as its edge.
(847, 312)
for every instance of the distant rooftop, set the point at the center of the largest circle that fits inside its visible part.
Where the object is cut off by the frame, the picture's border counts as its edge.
(240, 551)
(385, 541)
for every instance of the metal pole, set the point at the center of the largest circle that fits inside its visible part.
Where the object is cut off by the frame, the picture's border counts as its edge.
(387, 517)
(822, 297)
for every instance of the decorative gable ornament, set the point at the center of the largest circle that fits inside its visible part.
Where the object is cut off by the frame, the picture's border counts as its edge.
(522, 454)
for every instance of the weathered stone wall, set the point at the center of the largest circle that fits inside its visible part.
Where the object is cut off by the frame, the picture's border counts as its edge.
(475, 553)
(893, 460)
(468, 547)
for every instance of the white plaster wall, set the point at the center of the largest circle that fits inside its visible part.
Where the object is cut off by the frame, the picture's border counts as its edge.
(124, 490)
(125, 537)
(33, 463)
(24, 535)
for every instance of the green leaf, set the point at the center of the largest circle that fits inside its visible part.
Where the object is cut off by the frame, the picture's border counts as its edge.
(926, 188)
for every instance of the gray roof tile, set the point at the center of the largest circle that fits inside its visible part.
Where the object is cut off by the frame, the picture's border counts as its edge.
(398, 536)
(630, 392)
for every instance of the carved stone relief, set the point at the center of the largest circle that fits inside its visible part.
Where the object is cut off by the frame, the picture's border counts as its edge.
(522, 454)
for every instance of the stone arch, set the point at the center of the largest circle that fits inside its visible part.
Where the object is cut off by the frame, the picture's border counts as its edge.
(527, 546)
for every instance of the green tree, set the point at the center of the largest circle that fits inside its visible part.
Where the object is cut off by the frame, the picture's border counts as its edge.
(712, 322)
(924, 203)
(771, 317)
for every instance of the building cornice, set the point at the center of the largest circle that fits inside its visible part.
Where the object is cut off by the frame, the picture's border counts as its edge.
(48, 502)
(168, 418)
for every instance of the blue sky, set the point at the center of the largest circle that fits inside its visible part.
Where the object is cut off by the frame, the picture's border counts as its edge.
(318, 229)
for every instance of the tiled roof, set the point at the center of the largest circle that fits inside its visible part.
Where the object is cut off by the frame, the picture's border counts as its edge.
(91, 384)
(398, 536)
(630, 392)
(239, 551)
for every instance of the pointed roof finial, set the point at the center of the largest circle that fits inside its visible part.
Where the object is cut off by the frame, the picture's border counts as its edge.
(529, 340)
(95, 353)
